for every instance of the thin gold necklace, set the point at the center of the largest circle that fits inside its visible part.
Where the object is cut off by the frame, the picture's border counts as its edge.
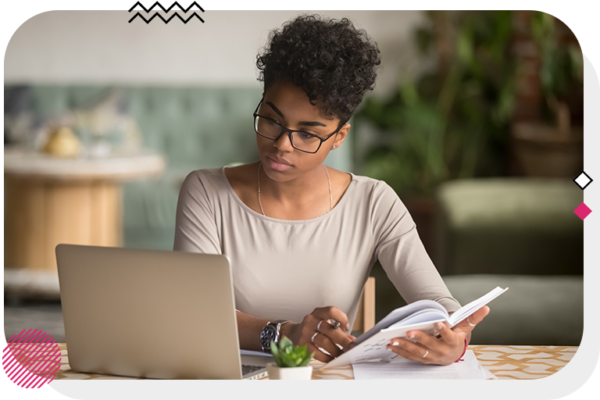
(328, 180)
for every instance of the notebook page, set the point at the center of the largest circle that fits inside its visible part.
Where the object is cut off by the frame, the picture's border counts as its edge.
(401, 368)
(399, 314)
(475, 305)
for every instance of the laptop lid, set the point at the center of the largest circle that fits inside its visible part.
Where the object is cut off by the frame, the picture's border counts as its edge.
(148, 313)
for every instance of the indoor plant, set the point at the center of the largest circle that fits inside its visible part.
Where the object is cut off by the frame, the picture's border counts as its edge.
(552, 146)
(451, 121)
(291, 362)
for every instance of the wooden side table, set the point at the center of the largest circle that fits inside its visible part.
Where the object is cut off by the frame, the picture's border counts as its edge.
(51, 200)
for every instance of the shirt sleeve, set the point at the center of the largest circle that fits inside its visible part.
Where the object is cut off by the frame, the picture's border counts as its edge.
(401, 252)
(195, 225)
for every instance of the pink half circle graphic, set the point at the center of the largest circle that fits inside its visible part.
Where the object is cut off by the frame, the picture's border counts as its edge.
(31, 358)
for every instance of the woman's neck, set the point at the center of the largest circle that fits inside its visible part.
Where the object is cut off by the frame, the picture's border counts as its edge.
(310, 187)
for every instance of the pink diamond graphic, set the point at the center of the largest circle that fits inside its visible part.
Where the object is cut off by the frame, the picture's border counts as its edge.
(582, 211)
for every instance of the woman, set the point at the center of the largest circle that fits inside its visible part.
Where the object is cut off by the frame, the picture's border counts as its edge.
(303, 237)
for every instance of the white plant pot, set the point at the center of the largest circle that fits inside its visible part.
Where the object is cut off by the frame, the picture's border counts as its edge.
(295, 373)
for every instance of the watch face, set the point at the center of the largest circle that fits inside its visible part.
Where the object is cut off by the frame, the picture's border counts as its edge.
(267, 335)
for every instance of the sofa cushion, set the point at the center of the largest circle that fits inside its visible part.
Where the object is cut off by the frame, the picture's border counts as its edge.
(509, 226)
(535, 310)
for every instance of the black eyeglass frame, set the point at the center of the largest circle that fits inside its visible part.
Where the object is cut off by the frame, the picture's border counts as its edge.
(290, 131)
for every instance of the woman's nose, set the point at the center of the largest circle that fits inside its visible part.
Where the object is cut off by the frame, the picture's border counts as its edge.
(283, 142)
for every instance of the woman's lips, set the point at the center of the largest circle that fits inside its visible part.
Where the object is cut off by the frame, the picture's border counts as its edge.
(278, 166)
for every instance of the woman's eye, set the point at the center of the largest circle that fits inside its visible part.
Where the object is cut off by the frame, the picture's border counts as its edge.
(305, 135)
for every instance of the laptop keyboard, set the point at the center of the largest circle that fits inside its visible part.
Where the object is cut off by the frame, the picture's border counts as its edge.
(246, 369)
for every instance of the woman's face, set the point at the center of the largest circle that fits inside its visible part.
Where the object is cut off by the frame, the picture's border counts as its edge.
(288, 105)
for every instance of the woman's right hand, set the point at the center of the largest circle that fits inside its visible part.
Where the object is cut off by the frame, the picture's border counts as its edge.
(328, 336)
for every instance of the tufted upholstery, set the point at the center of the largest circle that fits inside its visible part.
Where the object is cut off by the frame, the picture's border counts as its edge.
(195, 127)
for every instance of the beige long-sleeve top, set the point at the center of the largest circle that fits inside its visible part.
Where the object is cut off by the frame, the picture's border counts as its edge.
(285, 269)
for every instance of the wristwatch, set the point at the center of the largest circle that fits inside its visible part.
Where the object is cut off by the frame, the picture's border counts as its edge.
(270, 332)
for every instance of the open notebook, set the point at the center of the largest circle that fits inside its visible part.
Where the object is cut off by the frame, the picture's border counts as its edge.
(421, 315)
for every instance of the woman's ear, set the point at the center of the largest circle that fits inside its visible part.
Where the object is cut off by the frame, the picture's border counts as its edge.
(340, 136)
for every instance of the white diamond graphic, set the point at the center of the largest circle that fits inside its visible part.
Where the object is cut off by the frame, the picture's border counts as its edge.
(582, 180)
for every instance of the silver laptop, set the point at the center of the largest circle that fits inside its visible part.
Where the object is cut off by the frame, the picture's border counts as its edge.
(151, 314)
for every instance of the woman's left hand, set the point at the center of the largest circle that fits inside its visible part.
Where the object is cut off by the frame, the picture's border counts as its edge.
(442, 351)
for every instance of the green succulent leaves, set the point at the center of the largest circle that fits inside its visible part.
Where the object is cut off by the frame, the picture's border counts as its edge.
(287, 355)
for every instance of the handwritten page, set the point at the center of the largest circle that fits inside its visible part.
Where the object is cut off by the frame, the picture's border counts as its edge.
(401, 368)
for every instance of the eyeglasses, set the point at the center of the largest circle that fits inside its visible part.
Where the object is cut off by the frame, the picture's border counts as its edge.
(300, 140)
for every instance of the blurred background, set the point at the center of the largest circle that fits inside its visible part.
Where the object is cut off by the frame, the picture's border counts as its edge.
(476, 122)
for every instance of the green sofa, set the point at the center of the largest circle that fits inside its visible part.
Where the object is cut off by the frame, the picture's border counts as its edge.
(194, 127)
(517, 233)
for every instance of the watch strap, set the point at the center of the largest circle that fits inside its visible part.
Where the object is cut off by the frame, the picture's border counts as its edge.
(277, 326)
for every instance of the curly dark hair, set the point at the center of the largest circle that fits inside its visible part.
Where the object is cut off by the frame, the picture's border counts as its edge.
(332, 61)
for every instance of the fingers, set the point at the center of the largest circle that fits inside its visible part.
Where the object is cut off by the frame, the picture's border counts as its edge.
(324, 343)
(479, 315)
(350, 346)
(325, 340)
(447, 335)
(318, 353)
(447, 338)
(340, 337)
(336, 335)
(442, 351)
(468, 324)
(325, 313)
(321, 337)
(412, 351)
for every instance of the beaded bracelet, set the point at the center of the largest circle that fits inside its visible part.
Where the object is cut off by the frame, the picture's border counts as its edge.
(463, 353)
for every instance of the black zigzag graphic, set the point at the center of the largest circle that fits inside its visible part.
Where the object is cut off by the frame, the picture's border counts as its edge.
(166, 21)
(167, 9)
(158, 5)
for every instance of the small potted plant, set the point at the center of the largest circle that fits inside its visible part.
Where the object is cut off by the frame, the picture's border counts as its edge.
(291, 362)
